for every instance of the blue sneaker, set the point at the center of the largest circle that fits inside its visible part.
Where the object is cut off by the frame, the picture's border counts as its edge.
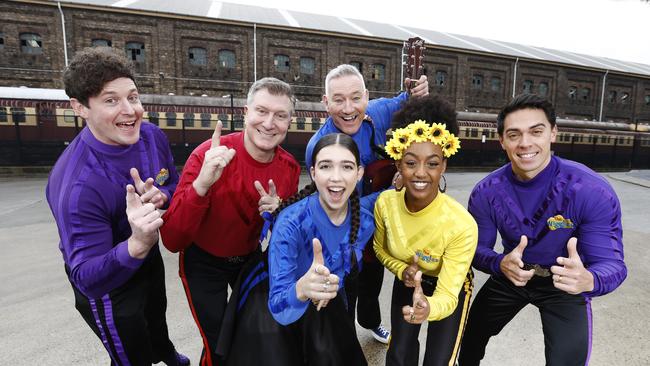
(381, 334)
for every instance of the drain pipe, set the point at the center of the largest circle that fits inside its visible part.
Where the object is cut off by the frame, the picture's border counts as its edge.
(602, 96)
(255, 51)
(65, 44)
(514, 78)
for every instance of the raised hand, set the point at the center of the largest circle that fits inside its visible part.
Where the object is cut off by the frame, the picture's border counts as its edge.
(418, 313)
(408, 275)
(215, 160)
(144, 220)
(270, 201)
(571, 275)
(147, 191)
(317, 283)
(512, 265)
(421, 88)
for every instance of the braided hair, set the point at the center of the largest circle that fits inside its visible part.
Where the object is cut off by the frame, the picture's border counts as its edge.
(348, 143)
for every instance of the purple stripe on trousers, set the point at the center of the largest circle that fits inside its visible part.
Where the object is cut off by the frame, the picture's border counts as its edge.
(98, 322)
(110, 322)
(589, 328)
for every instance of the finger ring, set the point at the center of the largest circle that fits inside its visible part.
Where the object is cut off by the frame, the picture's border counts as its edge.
(412, 318)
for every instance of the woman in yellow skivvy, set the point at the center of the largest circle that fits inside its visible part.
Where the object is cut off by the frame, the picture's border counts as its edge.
(425, 237)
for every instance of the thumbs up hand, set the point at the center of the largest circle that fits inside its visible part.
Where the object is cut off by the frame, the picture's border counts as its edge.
(419, 312)
(215, 160)
(571, 276)
(144, 220)
(512, 265)
(317, 283)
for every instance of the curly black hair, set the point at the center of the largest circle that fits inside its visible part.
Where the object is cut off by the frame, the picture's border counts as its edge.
(93, 67)
(432, 109)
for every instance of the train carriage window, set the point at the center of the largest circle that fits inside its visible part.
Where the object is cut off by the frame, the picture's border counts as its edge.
(477, 81)
(281, 63)
(542, 89)
(603, 139)
(358, 65)
(31, 43)
(3, 114)
(198, 56)
(224, 118)
(495, 84)
(68, 116)
(474, 132)
(99, 42)
(573, 92)
(315, 123)
(135, 51)
(2, 40)
(441, 78)
(467, 132)
(300, 123)
(154, 118)
(527, 86)
(486, 133)
(227, 59)
(188, 119)
(238, 121)
(206, 120)
(378, 72)
(611, 96)
(307, 65)
(18, 114)
(171, 118)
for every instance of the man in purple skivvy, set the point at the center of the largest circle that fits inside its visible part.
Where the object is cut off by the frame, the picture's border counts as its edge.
(560, 224)
(107, 216)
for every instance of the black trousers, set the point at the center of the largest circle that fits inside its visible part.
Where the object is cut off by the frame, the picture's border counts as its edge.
(566, 320)
(206, 279)
(443, 336)
(130, 320)
(368, 287)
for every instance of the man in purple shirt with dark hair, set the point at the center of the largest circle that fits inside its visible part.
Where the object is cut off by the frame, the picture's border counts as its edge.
(560, 225)
(107, 216)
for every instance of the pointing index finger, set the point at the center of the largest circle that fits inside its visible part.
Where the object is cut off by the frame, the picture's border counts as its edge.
(216, 135)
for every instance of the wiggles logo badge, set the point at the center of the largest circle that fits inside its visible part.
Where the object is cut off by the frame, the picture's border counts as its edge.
(559, 222)
(425, 256)
(162, 176)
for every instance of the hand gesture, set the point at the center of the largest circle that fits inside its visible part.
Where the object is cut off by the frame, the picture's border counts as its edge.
(421, 88)
(317, 283)
(214, 161)
(512, 265)
(270, 201)
(571, 275)
(408, 275)
(144, 220)
(419, 312)
(147, 191)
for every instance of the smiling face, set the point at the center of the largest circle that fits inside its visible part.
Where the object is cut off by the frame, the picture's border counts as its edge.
(335, 173)
(267, 120)
(421, 166)
(527, 137)
(115, 114)
(346, 102)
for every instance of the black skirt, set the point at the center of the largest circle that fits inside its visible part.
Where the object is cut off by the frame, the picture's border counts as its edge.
(251, 336)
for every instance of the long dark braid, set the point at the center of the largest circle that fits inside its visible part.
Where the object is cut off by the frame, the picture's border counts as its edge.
(304, 192)
(355, 219)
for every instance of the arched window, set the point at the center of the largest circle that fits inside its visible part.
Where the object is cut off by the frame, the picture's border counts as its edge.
(528, 86)
(495, 84)
(625, 98)
(585, 93)
(198, 56)
(307, 65)
(542, 89)
(441, 78)
(477, 81)
(573, 92)
(358, 65)
(281, 63)
(227, 59)
(135, 51)
(378, 72)
(31, 43)
(2, 40)
(611, 96)
(100, 42)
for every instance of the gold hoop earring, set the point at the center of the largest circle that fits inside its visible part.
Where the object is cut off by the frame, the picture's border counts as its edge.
(444, 180)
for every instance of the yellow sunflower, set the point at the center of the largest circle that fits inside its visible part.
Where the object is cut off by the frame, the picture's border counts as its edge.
(394, 150)
(402, 137)
(451, 146)
(439, 133)
(419, 131)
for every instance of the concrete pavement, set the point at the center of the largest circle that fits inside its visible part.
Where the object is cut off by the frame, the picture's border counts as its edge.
(39, 325)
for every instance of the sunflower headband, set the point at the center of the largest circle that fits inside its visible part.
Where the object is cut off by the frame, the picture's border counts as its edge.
(420, 131)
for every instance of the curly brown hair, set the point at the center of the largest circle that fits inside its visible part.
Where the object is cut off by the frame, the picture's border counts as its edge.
(93, 67)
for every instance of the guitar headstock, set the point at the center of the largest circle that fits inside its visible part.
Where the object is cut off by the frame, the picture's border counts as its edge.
(414, 64)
